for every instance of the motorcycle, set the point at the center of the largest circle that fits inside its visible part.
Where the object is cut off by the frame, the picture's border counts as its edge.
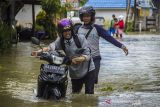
(52, 80)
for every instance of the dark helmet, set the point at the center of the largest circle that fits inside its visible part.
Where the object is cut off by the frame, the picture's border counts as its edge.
(64, 25)
(87, 10)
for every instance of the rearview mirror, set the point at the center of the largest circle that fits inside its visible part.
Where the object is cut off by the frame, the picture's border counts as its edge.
(35, 41)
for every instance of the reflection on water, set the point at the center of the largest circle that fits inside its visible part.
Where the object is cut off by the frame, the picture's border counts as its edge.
(132, 99)
(134, 80)
(141, 66)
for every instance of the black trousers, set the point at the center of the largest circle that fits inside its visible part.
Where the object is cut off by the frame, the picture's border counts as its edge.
(88, 80)
(97, 61)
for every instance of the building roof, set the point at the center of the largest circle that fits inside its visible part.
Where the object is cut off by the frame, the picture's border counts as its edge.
(30, 1)
(109, 4)
(145, 4)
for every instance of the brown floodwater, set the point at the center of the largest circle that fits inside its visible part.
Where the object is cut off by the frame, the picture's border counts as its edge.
(124, 81)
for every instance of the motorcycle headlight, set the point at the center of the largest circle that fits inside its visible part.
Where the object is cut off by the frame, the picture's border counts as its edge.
(57, 60)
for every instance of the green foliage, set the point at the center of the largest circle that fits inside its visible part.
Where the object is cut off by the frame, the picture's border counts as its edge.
(51, 6)
(128, 87)
(41, 21)
(40, 18)
(46, 24)
(68, 6)
(129, 27)
(5, 35)
(82, 2)
(107, 24)
(108, 89)
(39, 27)
(1, 67)
(64, 8)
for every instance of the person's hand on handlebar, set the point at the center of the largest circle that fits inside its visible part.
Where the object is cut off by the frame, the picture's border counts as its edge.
(78, 60)
(36, 53)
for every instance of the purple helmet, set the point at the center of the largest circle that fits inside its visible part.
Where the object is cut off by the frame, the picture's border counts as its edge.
(64, 25)
(87, 10)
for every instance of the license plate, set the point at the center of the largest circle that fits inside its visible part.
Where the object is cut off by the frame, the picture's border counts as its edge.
(54, 69)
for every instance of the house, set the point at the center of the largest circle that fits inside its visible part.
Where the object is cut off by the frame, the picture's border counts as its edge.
(24, 15)
(105, 8)
(145, 17)
(142, 16)
(10, 9)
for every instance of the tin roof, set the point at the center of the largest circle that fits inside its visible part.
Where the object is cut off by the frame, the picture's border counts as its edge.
(110, 4)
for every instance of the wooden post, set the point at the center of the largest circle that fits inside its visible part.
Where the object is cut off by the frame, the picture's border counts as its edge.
(135, 15)
(33, 19)
(158, 20)
(127, 13)
(12, 15)
(156, 4)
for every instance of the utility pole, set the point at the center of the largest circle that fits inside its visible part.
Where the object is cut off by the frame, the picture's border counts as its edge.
(135, 15)
(12, 15)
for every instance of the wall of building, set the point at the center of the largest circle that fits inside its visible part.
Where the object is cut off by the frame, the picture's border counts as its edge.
(24, 16)
(107, 13)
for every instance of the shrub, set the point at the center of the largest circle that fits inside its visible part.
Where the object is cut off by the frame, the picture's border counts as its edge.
(129, 27)
(5, 35)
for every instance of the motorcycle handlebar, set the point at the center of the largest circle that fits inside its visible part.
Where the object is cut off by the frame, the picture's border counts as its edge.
(47, 56)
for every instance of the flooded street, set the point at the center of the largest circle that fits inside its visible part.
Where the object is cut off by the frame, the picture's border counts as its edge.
(124, 81)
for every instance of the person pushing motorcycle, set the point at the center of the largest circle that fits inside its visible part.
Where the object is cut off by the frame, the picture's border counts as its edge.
(82, 67)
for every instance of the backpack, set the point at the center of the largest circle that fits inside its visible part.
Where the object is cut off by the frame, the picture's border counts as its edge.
(77, 26)
(76, 40)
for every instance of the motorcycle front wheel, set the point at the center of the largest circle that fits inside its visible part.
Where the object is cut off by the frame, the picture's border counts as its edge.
(56, 94)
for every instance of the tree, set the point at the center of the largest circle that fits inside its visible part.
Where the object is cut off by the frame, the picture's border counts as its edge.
(127, 13)
(5, 35)
(66, 7)
(82, 2)
(51, 7)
